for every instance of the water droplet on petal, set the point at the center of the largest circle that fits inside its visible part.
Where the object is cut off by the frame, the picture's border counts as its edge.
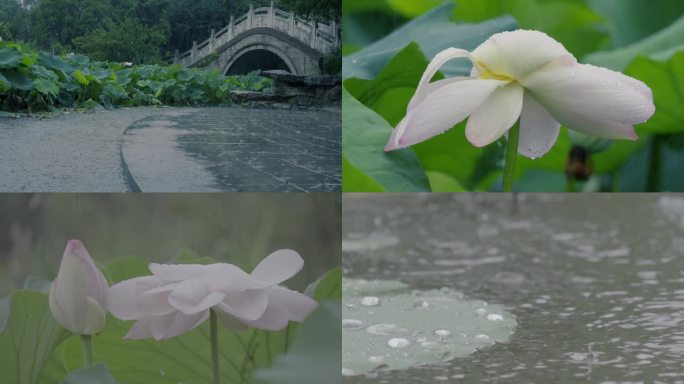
(370, 301)
(481, 311)
(352, 324)
(494, 317)
(443, 332)
(398, 342)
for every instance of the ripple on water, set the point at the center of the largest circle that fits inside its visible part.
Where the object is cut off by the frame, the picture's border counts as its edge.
(352, 324)
(372, 242)
(612, 269)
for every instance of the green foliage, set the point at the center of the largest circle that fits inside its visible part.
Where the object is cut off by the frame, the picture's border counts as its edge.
(329, 9)
(309, 360)
(38, 81)
(666, 79)
(629, 21)
(331, 62)
(63, 20)
(28, 336)
(10, 56)
(661, 46)
(14, 20)
(433, 32)
(94, 374)
(364, 134)
(569, 21)
(329, 286)
(191, 20)
(129, 41)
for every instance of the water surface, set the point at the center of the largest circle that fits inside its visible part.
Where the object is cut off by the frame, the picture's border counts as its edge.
(596, 282)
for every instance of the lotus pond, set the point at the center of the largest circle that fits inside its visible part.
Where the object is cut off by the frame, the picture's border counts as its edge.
(37, 81)
(564, 287)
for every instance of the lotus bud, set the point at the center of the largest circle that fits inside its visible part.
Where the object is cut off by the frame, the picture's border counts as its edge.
(78, 296)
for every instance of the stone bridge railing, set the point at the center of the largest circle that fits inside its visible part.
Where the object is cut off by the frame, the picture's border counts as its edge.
(322, 36)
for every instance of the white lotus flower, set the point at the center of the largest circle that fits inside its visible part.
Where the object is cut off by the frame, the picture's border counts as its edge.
(78, 296)
(527, 75)
(177, 298)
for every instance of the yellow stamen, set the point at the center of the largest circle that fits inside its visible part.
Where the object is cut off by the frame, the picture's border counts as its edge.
(487, 74)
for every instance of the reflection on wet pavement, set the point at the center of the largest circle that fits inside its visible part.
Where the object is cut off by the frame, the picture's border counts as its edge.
(172, 149)
(596, 282)
(235, 149)
(67, 151)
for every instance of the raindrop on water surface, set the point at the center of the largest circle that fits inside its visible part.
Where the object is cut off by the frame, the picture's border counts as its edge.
(352, 324)
(398, 342)
(370, 301)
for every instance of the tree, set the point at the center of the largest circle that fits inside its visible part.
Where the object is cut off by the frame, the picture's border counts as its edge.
(129, 40)
(14, 22)
(63, 20)
(327, 9)
(192, 20)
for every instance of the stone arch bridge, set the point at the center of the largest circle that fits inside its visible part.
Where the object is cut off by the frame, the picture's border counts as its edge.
(265, 38)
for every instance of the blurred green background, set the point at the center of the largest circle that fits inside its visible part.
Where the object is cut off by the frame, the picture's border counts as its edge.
(641, 38)
(239, 228)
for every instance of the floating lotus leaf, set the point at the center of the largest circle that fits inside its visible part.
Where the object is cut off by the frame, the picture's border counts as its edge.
(385, 325)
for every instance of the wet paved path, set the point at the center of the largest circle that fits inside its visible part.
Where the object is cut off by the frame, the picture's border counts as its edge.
(73, 152)
(172, 149)
(235, 149)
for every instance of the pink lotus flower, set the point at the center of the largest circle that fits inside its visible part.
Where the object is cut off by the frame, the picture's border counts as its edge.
(78, 296)
(178, 298)
(529, 76)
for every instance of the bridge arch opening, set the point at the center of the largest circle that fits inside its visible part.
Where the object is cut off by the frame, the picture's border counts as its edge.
(257, 59)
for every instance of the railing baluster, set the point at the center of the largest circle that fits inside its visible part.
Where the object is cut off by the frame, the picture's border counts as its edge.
(320, 38)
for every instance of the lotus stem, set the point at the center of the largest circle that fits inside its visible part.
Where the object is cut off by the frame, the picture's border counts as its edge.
(87, 349)
(511, 157)
(655, 163)
(570, 184)
(214, 346)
